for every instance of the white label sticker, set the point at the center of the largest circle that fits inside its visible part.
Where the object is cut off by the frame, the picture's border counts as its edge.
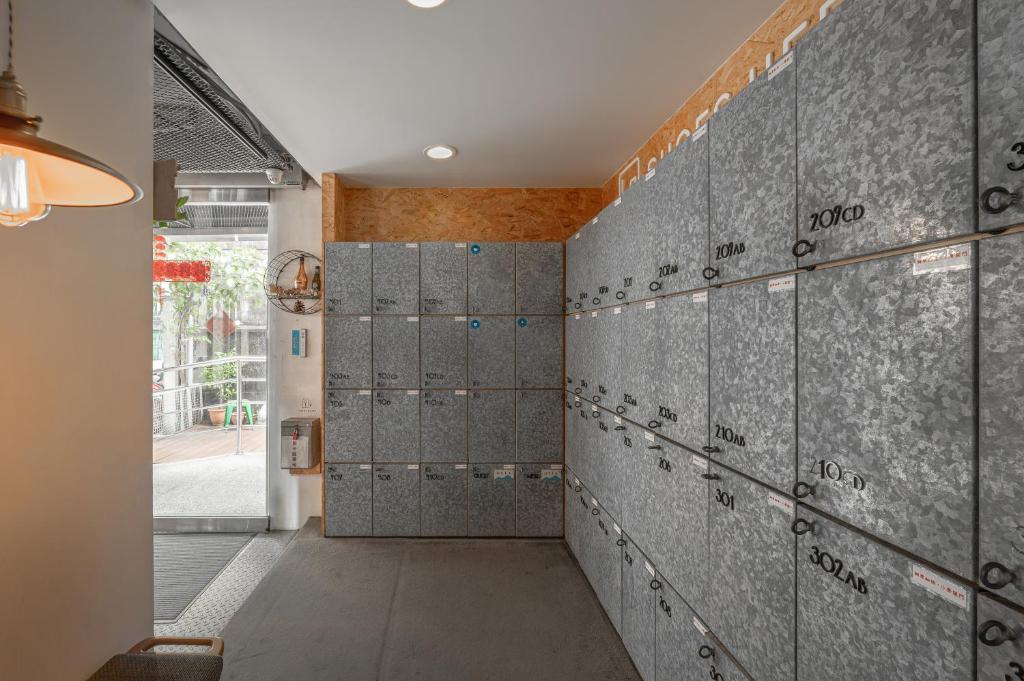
(460, 245)
(460, 466)
(700, 626)
(649, 568)
(365, 466)
(618, 530)
(699, 133)
(460, 319)
(551, 474)
(787, 283)
(412, 245)
(698, 461)
(617, 201)
(649, 436)
(650, 305)
(364, 245)
(576, 235)
(460, 392)
(364, 392)
(412, 392)
(781, 502)
(937, 584)
(700, 297)
(412, 319)
(650, 173)
(364, 319)
(593, 501)
(509, 466)
(780, 66)
(577, 315)
(413, 466)
(594, 221)
(949, 259)
(594, 313)
(618, 421)
(501, 474)
(617, 310)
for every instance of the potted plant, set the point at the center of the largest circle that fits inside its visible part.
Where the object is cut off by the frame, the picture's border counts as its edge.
(225, 391)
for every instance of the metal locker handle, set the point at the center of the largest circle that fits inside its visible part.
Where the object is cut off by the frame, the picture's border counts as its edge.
(619, 295)
(578, 305)
(801, 527)
(596, 399)
(709, 273)
(653, 424)
(1002, 633)
(1004, 200)
(594, 511)
(711, 449)
(620, 410)
(804, 247)
(710, 476)
(620, 542)
(596, 301)
(620, 427)
(655, 286)
(706, 652)
(802, 490)
(655, 584)
(1004, 576)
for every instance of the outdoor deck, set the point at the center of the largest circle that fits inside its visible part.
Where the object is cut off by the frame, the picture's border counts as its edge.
(202, 442)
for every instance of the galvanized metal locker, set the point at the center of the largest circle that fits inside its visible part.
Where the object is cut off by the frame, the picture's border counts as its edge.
(348, 500)
(396, 500)
(396, 425)
(625, 246)
(443, 499)
(596, 439)
(581, 249)
(492, 352)
(443, 352)
(1000, 644)
(600, 357)
(635, 333)
(600, 265)
(892, 450)
(568, 512)
(396, 278)
(1000, 114)
(640, 590)
(347, 426)
(539, 358)
(573, 339)
(638, 466)
(606, 570)
(348, 348)
(686, 647)
(573, 449)
(579, 516)
(611, 331)
(443, 425)
(867, 612)
(539, 278)
(885, 123)
(396, 352)
(581, 349)
(753, 178)
(1001, 384)
(572, 272)
(492, 500)
(638, 246)
(677, 212)
(539, 500)
(492, 425)
(753, 379)
(347, 283)
(620, 442)
(751, 598)
(492, 278)
(539, 426)
(443, 278)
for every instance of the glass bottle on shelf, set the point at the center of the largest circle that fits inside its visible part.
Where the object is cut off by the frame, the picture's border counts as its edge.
(301, 278)
(315, 285)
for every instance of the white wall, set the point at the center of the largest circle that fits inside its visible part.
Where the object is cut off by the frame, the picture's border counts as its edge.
(75, 406)
(295, 224)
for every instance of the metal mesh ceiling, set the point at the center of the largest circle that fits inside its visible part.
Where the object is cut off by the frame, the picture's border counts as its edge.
(227, 216)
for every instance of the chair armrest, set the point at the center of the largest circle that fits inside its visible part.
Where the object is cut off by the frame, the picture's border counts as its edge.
(215, 644)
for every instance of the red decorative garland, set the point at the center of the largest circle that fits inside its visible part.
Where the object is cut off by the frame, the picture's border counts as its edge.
(191, 271)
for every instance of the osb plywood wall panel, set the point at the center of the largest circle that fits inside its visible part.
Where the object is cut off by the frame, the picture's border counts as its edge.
(379, 214)
(762, 49)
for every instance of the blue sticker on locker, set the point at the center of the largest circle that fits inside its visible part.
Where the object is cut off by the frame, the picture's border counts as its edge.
(522, 322)
(475, 324)
(475, 248)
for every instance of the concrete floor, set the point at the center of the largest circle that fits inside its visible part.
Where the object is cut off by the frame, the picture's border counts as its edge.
(230, 485)
(424, 610)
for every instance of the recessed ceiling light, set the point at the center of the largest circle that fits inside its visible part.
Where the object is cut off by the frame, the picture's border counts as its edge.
(425, 4)
(440, 152)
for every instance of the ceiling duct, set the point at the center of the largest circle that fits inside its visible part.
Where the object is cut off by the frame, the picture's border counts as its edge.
(226, 210)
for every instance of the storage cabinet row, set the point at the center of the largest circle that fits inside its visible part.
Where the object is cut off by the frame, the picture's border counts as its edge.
(854, 388)
(442, 278)
(443, 500)
(501, 351)
(861, 139)
(438, 426)
(731, 589)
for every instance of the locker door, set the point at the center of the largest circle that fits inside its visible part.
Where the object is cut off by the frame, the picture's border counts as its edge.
(601, 266)
(348, 502)
(347, 426)
(686, 648)
(606, 570)
(492, 278)
(596, 435)
(1001, 363)
(538, 344)
(539, 278)
(867, 612)
(610, 382)
(625, 248)
(492, 500)
(347, 288)
(677, 212)
(539, 500)
(599, 357)
(568, 511)
(640, 587)
(443, 278)
(396, 352)
(642, 243)
(1001, 112)
(443, 352)
(639, 466)
(619, 443)
(572, 272)
(580, 295)
(677, 491)
(396, 500)
(492, 352)
(678, 370)
(572, 341)
(443, 425)
(572, 437)
(753, 178)
(753, 379)
(539, 426)
(348, 343)
(396, 425)
(892, 451)
(751, 597)
(582, 346)
(1001, 646)
(885, 127)
(443, 491)
(396, 278)
(492, 425)
(634, 334)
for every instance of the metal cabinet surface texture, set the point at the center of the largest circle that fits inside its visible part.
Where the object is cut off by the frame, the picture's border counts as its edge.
(443, 352)
(492, 352)
(492, 278)
(886, 399)
(686, 648)
(1000, 645)
(885, 123)
(443, 425)
(396, 425)
(396, 500)
(867, 612)
(396, 352)
(347, 283)
(539, 500)
(753, 379)
(396, 278)
(605, 561)
(630, 251)
(753, 178)
(443, 499)
(538, 342)
(492, 500)
(539, 278)
(751, 595)
(639, 605)
(348, 500)
(539, 426)
(347, 426)
(348, 347)
(492, 425)
(443, 278)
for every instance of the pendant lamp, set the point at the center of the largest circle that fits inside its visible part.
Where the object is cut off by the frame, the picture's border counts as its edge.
(35, 173)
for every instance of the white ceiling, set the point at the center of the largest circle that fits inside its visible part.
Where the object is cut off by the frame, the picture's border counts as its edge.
(534, 93)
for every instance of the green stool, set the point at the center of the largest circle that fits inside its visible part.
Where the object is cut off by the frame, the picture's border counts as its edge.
(231, 410)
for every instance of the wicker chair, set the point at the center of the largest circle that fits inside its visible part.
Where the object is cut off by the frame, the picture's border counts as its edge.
(140, 665)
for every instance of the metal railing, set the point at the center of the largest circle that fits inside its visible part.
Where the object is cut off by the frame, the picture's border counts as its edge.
(189, 398)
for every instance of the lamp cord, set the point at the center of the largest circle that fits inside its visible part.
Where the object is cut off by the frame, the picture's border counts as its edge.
(10, 35)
